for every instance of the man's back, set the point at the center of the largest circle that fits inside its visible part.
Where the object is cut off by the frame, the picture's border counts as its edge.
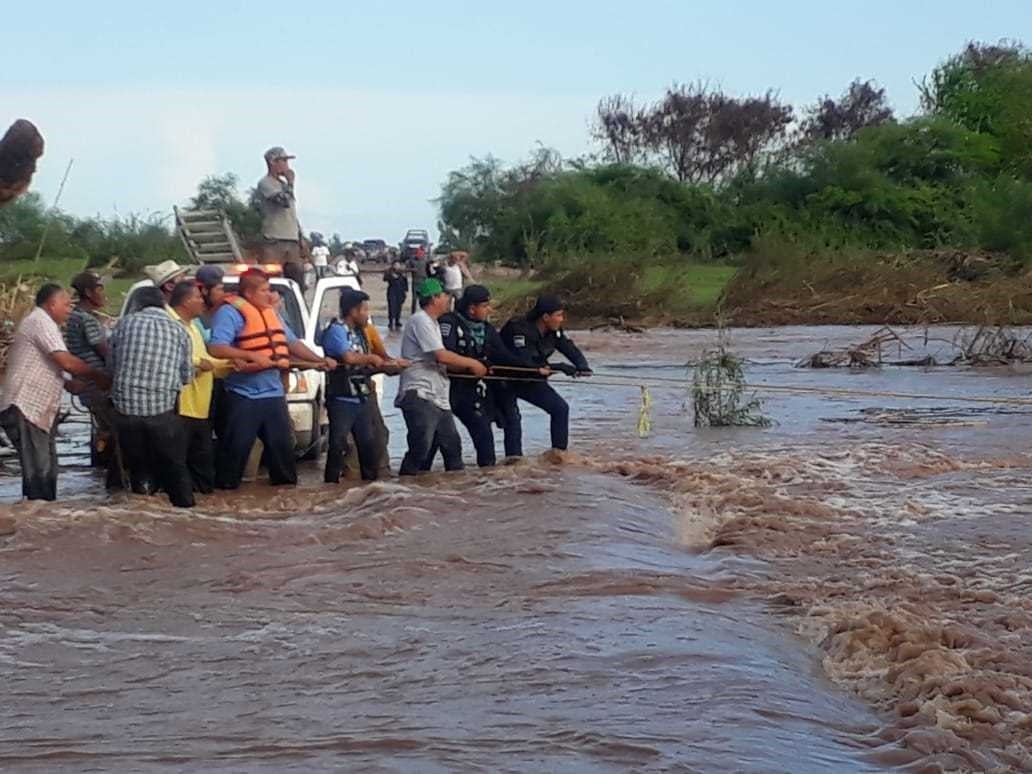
(150, 356)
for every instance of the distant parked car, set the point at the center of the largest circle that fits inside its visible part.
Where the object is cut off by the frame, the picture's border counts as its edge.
(415, 246)
(375, 250)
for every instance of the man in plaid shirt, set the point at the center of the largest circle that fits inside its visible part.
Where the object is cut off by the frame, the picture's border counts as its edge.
(151, 359)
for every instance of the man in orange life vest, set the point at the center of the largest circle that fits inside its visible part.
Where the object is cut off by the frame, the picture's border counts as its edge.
(246, 327)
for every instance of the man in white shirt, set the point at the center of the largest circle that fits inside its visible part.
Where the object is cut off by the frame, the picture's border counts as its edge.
(320, 255)
(33, 383)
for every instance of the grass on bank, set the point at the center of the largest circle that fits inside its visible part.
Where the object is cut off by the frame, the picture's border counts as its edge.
(61, 270)
(660, 291)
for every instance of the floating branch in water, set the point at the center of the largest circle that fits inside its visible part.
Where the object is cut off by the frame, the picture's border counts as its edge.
(718, 391)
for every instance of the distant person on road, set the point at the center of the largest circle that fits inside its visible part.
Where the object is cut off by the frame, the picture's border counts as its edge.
(284, 245)
(397, 289)
(347, 266)
(32, 390)
(451, 275)
(151, 362)
(320, 256)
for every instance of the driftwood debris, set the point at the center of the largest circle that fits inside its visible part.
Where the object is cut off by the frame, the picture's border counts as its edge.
(992, 345)
(866, 354)
(20, 147)
(617, 324)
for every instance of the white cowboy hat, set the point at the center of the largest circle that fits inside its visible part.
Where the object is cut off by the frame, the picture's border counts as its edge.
(164, 272)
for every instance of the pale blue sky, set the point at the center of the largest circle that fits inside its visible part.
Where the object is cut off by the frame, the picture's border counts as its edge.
(379, 103)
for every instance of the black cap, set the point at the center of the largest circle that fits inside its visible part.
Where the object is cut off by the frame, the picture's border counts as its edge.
(475, 294)
(349, 299)
(545, 305)
(86, 281)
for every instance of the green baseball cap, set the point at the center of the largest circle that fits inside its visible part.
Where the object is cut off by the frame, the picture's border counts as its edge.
(429, 287)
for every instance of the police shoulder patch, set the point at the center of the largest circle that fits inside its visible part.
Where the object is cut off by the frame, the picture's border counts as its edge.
(446, 329)
(519, 341)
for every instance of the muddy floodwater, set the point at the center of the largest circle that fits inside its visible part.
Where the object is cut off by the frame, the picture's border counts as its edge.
(847, 590)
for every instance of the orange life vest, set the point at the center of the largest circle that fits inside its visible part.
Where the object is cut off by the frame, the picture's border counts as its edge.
(262, 332)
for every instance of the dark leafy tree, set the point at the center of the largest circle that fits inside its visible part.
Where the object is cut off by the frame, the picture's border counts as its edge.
(862, 106)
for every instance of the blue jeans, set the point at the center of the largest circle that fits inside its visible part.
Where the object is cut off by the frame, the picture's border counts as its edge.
(347, 417)
(428, 425)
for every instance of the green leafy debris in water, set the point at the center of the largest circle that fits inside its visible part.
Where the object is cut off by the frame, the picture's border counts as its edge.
(718, 390)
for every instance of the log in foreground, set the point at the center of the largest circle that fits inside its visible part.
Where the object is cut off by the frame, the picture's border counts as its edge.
(20, 147)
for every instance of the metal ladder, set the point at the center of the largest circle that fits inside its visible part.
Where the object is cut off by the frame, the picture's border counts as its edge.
(208, 236)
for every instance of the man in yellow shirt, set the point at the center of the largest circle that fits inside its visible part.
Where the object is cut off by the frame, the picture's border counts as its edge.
(185, 305)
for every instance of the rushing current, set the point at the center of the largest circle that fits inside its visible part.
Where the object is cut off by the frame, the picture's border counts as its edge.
(849, 589)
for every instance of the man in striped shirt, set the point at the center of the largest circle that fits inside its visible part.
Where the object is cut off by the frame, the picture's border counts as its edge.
(151, 357)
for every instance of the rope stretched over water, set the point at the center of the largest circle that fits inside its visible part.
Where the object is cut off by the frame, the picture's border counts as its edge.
(662, 381)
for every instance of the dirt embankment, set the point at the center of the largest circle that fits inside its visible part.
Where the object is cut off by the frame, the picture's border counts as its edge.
(925, 288)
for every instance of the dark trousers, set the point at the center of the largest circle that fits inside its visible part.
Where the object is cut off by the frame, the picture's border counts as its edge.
(346, 418)
(542, 395)
(428, 425)
(102, 412)
(245, 421)
(37, 453)
(154, 449)
(200, 454)
(470, 408)
(383, 438)
(507, 416)
(395, 303)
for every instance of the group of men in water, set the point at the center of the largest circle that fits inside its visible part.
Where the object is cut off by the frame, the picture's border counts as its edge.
(185, 385)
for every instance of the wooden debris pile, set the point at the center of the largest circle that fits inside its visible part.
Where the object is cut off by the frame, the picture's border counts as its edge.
(16, 300)
(866, 354)
(992, 345)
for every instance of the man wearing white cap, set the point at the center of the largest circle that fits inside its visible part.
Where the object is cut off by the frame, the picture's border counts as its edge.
(165, 275)
(280, 228)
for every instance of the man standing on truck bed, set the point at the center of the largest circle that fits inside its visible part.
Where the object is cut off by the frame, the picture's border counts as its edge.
(280, 228)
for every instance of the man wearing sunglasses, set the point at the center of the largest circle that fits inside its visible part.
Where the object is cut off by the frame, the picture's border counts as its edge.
(283, 243)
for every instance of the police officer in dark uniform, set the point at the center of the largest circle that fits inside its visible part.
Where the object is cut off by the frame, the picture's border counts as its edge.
(467, 332)
(348, 388)
(536, 338)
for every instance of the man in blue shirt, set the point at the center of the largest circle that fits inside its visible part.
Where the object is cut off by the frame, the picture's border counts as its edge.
(349, 390)
(247, 328)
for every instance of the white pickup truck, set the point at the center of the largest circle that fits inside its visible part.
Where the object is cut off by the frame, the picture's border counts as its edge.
(307, 318)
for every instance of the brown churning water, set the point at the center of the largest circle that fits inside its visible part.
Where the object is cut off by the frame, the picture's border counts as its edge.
(818, 596)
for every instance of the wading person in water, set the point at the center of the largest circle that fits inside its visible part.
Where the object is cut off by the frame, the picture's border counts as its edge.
(349, 389)
(33, 384)
(186, 306)
(536, 338)
(423, 391)
(151, 361)
(87, 338)
(467, 332)
(247, 328)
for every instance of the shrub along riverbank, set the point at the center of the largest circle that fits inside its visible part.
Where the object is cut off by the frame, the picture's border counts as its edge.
(841, 212)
